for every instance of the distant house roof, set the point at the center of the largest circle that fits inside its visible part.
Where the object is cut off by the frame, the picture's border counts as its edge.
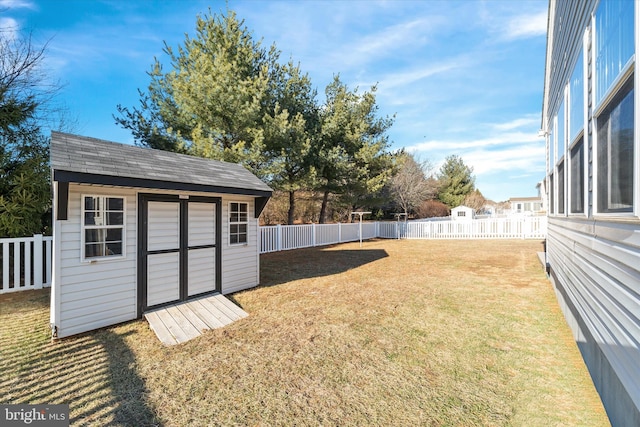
(462, 207)
(525, 199)
(93, 161)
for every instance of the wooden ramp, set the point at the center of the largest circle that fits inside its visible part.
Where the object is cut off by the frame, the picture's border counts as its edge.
(180, 322)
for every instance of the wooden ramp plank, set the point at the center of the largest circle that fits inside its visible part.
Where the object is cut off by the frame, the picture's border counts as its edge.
(185, 325)
(215, 311)
(181, 322)
(232, 315)
(173, 326)
(188, 311)
(239, 311)
(204, 314)
(160, 330)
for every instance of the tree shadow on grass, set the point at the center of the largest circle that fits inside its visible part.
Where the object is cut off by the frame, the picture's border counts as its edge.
(94, 373)
(128, 389)
(282, 267)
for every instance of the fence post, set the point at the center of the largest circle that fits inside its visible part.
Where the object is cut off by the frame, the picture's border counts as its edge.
(48, 261)
(313, 233)
(5, 266)
(16, 264)
(339, 232)
(37, 261)
(278, 237)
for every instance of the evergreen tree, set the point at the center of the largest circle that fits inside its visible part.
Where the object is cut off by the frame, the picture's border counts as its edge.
(456, 181)
(351, 155)
(212, 101)
(25, 197)
(289, 134)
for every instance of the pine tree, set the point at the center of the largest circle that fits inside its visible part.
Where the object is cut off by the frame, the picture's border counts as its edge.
(25, 198)
(352, 153)
(456, 181)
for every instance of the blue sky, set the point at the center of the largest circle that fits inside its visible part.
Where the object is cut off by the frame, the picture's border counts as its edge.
(462, 77)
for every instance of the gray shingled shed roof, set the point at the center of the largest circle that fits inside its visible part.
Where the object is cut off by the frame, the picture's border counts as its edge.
(94, 161)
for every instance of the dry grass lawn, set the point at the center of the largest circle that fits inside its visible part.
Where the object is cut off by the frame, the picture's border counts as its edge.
(402, 333)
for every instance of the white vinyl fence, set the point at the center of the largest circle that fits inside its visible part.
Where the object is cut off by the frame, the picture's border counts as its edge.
(532, 227)
(284, 237)
(25, 263)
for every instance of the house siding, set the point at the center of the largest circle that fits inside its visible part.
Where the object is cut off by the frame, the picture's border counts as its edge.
(594, 260)
(595, 269)
(90, 295)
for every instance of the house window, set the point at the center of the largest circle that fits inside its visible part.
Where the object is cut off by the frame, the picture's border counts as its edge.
(561, 188)
(615, 153)
(615, 42)
(552, 148)
(576, 96)
(462, 213)
(560, 130)
(103, 227)
(576, 178)
(551, 192)
(238, 223)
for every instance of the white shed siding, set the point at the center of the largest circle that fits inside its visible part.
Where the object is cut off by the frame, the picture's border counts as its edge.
(99, 293)
(91, 295)
(240, 263)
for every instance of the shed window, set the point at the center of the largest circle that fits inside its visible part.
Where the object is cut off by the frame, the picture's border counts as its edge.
(238, 223)
(103, 226)
(462, 213)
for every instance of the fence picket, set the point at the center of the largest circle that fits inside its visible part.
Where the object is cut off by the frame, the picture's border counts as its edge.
(285, 237)
(37, 260)
(5, 265)
(31, 265)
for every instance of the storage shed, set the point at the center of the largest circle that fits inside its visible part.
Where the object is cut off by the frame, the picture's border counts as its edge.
(135, 229)
(463, 213)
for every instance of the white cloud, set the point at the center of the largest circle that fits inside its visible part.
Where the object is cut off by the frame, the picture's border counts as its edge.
(528, 25)
(506, 157)
(9, 27)
(411, 76)
(519, 159)
(17, 4)
(528, 120)
(502, 139)
(393, 37)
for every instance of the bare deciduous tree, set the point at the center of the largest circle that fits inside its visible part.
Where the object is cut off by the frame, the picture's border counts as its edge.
(410, 186)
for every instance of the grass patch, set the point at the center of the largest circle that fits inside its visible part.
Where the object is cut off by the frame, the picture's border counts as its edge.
(394, 333)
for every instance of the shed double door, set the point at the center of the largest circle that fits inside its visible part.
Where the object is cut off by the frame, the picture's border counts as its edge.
(179, 248)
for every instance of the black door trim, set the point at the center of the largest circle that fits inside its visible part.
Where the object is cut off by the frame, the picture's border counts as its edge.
(143, 252)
